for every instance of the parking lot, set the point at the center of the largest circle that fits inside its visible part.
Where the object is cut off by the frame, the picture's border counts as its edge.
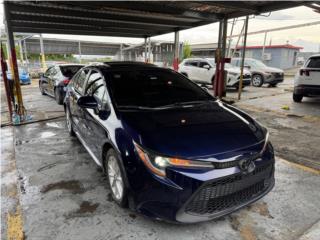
(61, 194)
(128, 148)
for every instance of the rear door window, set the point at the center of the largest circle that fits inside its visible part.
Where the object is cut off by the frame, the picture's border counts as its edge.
(191, 63)
(203, 63)
(69, 71)
(313, 62)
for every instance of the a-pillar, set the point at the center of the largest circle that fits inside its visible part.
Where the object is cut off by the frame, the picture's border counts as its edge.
(176, 51)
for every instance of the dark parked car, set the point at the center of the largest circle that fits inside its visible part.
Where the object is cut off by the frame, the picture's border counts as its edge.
(169, 149)
(54, 81)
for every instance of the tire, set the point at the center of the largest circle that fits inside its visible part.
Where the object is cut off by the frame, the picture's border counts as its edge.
(69, 123)
(257, 80)
(297, 98)
(41, 89)
(116, 179)
(58, 96)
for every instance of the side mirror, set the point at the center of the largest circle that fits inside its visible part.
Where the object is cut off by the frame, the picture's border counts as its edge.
(87, 102)
(104, 112)
(206, 67)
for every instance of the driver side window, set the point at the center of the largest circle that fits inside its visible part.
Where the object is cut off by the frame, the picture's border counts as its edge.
(203, 63)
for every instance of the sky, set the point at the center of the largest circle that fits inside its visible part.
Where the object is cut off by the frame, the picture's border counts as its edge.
(306, 37)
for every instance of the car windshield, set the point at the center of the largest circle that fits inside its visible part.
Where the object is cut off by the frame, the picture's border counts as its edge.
(153, 88)
(211, 61)
(255, 63)
(69, 71)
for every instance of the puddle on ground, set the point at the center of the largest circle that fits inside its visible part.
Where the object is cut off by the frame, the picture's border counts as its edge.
(87, 207)
(73, 186)
(47, 134)
(260, 208)
(55, 125)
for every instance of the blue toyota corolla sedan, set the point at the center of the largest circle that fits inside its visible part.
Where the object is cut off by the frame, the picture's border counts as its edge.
(23, 76)
(169, 149)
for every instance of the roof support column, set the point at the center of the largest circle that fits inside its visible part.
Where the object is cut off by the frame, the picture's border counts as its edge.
(21, 52)
(20, 110)
(79, 50)
(43, 58)
(26, 54)
(219, 81)
(264, 45)
(145, 50)
(6, 83)
(149, 50)
(243, 56)
(176, 51)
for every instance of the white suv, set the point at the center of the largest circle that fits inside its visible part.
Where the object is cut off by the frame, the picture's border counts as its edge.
(202, 71)
(307, 79)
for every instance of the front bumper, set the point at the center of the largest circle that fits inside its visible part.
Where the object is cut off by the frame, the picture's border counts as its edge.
(200, 196)
(274, 78)
(307, 90)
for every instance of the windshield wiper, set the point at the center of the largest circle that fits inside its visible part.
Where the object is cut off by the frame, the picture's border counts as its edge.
(133, 107)
(185, 104)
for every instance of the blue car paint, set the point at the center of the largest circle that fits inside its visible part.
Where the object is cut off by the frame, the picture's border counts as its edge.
(214, 132)
(23, 76)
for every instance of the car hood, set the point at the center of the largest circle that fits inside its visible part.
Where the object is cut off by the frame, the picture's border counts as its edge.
(272, 70)
(196, 132)
(237, 70)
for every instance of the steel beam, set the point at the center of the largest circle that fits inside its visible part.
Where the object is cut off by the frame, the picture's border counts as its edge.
(243, 57)
(43, 57)
(149, 50)
(145, 50)
(176, 51)
(20, 110)
(6, 83)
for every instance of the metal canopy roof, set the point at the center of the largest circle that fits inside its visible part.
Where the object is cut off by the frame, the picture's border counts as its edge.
(128, 19)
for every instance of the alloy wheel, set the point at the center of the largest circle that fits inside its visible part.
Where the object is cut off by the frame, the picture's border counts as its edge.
(115, 178)
(257, 80)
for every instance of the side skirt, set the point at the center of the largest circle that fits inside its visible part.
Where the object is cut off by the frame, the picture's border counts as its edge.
(88, 149)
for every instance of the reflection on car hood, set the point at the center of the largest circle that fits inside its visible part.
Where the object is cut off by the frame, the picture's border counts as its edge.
(195, 132)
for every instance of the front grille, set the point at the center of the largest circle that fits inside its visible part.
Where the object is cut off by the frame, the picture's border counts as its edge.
(277, 75)
(230, 192)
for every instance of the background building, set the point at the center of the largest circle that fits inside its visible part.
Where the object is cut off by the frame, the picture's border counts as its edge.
(280, 56)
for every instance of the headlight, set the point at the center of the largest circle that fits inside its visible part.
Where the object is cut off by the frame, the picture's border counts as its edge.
(158, 164)
(266, 141)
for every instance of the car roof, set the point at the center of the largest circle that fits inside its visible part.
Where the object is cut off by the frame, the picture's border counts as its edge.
(315, 56)
(120, 65)
(193, 59)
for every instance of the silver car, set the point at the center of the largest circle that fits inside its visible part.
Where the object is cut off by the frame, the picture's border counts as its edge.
(261, 73)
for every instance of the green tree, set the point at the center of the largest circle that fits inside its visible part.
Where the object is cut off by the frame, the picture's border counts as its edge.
(186, 50)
